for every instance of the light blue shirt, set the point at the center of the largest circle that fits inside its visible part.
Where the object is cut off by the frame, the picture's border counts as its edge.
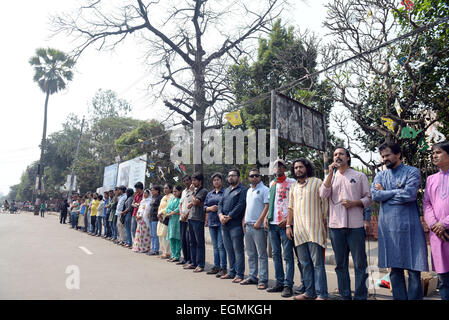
(256, 198)
(120, 204)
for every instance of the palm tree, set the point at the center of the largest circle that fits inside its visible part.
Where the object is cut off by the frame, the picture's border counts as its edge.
(52, 71)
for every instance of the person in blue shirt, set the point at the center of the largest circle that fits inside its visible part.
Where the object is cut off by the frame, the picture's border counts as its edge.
(106, 212)
(402, 243)
(213, 222)
(231, 210)
(257, 201)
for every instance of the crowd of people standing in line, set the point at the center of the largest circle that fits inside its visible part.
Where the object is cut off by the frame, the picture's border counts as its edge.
(295, 213)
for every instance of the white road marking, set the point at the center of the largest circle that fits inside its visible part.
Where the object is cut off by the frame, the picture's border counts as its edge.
(86, 250)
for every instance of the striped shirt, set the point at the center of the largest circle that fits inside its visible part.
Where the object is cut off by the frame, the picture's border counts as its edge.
(309, 212)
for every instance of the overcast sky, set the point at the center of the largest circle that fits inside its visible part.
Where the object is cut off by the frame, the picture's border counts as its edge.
(26, 27)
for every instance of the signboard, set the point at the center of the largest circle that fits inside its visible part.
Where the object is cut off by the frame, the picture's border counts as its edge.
(137, 171)
(132, 171)
(297, 123)
(110, 177)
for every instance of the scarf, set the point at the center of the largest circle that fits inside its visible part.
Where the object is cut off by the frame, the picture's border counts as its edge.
(273, 196)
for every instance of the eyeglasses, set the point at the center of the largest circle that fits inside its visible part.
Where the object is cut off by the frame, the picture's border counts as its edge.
(254, 176)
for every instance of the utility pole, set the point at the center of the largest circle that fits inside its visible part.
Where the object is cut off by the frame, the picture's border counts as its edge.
(69, 196)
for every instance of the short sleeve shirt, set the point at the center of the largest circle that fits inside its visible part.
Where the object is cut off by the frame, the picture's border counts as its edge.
(256, 198)
(281, 200)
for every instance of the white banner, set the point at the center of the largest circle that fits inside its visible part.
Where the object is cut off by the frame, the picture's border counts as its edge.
(132, 171)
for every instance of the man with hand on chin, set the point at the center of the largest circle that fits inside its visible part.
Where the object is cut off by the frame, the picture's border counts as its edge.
(349, 193)
(402, 243)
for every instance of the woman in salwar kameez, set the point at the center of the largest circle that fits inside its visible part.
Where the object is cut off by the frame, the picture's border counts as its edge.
(174, 232)
(142, 241)
(83, 208)
(163, 222)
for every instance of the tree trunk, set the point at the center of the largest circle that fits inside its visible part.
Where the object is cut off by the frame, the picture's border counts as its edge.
(44, 134)
(201, 103)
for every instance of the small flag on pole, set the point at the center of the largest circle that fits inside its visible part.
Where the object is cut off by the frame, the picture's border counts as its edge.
(234, 118)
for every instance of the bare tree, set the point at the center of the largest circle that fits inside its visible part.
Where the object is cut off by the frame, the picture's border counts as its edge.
(190, 43)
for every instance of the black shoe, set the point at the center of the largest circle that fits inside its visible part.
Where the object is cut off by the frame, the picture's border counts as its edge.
(287, 292)
(276, 288)
(181, 262)
(214, 270)
(222, 272)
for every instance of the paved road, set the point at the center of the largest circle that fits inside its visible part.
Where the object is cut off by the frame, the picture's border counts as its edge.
(36, 255)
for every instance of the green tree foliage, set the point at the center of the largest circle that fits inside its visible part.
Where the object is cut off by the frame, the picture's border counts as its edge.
(52, 71)
(404, 82)
(284, 56)
(107, 122)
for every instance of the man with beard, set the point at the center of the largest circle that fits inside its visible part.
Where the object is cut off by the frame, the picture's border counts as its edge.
(307, 211)
(402, 243)
(349, 193)
(231, 210)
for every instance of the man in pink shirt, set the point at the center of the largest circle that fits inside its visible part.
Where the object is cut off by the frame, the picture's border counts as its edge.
(436, 214)
(349, 193)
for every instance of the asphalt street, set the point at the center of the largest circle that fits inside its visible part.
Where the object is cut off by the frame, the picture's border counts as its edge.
(41, 259)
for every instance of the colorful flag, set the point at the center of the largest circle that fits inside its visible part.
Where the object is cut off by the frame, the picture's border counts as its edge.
(388, 123)
(234, 118)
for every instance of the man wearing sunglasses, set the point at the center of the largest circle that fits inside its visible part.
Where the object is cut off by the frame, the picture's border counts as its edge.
(257, 199)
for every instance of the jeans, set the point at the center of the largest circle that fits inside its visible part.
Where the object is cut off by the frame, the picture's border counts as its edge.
(99, 225)
(443, 285)
(129, 240)
(278, 236)
(256, 248)
(345, 240)
(134, 227)
(301, 289)
(42, 213)
(107, 226)
(197, 244)
(154, 237)
(311, 256)
(74, 219)
(219, 250)
(89, 222)
(185, 241)
(113, 225)
(397, 279)
(233, 243)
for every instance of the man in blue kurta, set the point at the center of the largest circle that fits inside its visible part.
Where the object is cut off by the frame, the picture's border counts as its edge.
(402, 243)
